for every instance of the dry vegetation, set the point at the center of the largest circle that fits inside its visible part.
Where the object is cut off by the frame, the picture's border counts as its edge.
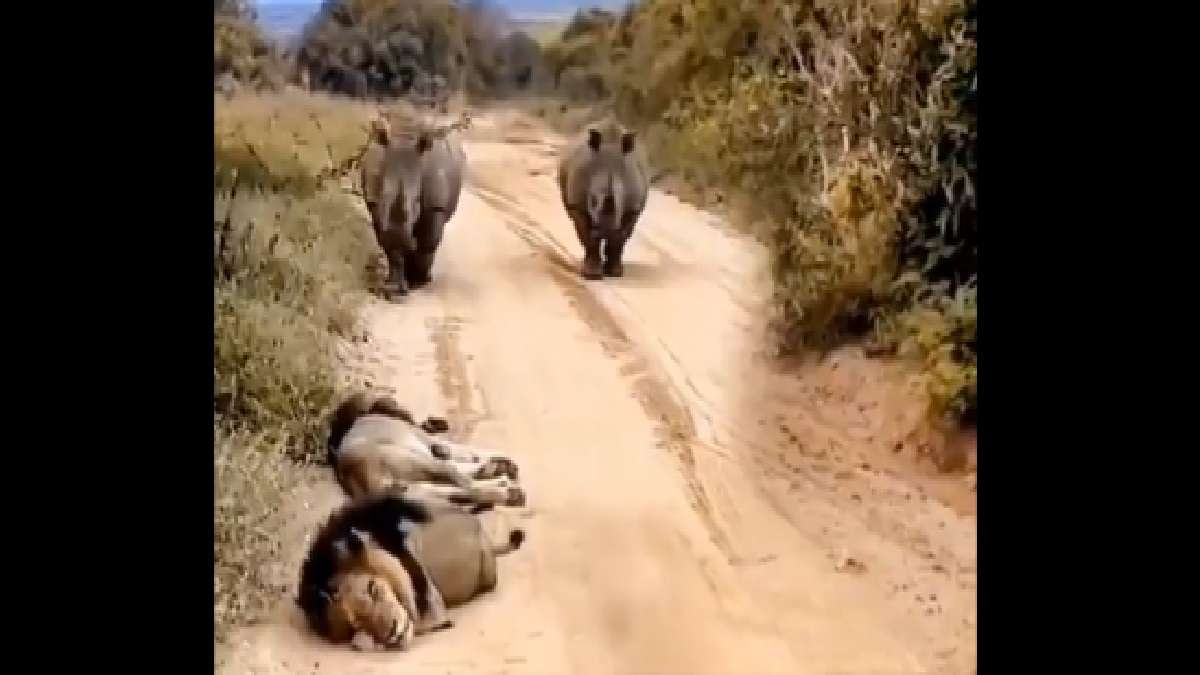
(291, 255)
(852, 124)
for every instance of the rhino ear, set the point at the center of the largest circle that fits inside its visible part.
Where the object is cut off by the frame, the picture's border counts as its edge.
(594, 139)
(628, 139)
(424, 143)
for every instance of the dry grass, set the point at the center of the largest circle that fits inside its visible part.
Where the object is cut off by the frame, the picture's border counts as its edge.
(290, 142)
(251, 478)
(291, 256)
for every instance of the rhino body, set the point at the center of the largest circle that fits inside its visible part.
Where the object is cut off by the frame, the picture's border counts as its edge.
(411, 183)
(604, 184)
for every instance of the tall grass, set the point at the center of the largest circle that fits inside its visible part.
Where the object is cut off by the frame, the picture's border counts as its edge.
(291, 254)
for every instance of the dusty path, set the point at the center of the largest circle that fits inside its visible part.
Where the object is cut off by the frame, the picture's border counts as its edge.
(692, 510)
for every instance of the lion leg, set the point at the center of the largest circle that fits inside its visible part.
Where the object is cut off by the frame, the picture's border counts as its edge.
(437, 616)
(483, 463)
(444, 472)
(492, 493)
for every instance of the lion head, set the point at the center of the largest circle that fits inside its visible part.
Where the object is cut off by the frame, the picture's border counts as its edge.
(366, 612)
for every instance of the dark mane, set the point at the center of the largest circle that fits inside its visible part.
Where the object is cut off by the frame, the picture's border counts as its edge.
(354, 407)
(379, 516)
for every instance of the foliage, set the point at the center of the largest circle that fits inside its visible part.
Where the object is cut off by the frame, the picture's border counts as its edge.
(421, 48)
(852, 124)
(242, 54)
(291, 250)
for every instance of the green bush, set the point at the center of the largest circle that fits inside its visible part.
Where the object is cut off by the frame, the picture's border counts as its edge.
(852, 124)
(419, 48)
(241, 52)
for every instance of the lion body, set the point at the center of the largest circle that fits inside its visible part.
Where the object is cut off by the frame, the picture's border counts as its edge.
(376, 447)
(380, 559)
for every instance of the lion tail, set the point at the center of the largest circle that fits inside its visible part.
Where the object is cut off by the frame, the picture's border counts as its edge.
(516, 537)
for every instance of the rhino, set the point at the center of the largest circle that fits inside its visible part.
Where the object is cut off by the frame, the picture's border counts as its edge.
(411, 184)
(604, 184)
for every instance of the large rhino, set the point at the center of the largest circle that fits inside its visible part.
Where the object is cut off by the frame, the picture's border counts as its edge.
(411, 183)
(603, 181)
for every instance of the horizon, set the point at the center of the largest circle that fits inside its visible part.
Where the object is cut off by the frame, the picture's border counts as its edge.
(285, 19)
(539, 7)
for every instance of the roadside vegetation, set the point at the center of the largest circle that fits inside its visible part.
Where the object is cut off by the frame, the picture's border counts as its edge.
(292, 261)
(852, 125)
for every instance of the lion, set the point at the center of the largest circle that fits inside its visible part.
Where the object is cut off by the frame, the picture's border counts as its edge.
(385, 568)
(365, 612)
(375, 446)
(604, 184)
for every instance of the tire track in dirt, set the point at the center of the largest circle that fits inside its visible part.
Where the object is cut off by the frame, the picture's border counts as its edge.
(673, 423)
(452, 374)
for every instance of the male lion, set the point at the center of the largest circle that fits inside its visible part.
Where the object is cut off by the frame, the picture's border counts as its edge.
(365, 612)
(374, 447)
(385, 568)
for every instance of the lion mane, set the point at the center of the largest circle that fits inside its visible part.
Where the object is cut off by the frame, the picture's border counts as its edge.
(380, 517)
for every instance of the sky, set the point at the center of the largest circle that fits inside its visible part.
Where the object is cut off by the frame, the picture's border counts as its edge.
(538, 6)
(287, 17)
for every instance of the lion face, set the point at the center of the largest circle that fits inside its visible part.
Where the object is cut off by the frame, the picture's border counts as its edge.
(364, 605)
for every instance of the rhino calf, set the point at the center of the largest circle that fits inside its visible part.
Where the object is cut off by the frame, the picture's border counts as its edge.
(411, 183)
(603, 181)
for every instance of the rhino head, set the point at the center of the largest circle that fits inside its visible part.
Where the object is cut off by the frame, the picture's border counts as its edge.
(606, 189)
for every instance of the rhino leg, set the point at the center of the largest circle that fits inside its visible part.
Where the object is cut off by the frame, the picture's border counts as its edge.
(591, 268)
(428, 235)
(614, 246)
(393, 248)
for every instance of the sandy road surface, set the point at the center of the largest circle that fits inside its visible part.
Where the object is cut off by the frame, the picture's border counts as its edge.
(692, 510)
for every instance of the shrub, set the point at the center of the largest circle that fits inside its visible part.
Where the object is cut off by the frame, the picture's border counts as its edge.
(291, 250)
(242, 54)
(291, 142)
(251, 479)
(419, 48)
(852, 124)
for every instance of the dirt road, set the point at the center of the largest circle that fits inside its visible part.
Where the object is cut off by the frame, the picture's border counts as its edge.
(692, 509)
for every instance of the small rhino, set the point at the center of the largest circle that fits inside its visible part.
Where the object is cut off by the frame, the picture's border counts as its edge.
(604, 184)
(411, 184)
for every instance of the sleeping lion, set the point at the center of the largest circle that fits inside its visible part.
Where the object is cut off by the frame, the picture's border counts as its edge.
(375, 446)
(385, 568)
